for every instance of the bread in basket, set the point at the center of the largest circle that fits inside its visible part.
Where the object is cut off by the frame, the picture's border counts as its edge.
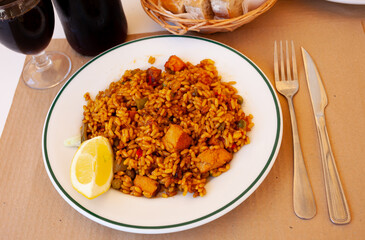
(177, 22)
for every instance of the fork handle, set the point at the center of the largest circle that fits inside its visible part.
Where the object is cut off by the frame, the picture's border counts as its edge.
(303, 199)
(336, 201)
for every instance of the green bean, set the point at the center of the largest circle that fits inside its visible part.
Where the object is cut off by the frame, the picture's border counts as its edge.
(241, 124)
(141, 102)
(239, 100)
(83, 132)
(222, 126)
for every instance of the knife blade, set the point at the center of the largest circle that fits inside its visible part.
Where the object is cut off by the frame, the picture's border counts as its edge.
(336, 201)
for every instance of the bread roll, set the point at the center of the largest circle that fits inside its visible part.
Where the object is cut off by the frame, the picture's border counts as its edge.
(199, 9)
(227, 8)
(249, 5)
(174, 6)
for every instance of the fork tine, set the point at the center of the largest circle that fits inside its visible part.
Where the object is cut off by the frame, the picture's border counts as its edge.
(282, 61)
(295, 72)
(276, 64)
(288, 73)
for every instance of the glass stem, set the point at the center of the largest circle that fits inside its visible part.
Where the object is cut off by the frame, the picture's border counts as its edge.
(42, 62)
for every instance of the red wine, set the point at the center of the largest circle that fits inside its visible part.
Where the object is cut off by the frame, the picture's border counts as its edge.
(92, 26)
(31, 31)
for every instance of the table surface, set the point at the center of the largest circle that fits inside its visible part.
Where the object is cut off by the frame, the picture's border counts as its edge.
(334, 34)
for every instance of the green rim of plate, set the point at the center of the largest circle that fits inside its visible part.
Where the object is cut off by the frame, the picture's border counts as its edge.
(271, 157)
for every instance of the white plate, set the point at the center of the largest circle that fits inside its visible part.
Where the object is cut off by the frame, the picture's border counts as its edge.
(353, 2)
(159, 215)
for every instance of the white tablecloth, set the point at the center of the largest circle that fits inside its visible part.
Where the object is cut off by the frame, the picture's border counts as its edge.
(11, 63)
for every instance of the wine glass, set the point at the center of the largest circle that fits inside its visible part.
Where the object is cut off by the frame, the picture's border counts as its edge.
(26, 26)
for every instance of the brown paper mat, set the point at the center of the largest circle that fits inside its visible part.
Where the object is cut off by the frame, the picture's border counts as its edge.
(30, 207)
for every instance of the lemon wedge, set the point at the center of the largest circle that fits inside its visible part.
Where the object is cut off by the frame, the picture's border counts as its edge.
(92, 167)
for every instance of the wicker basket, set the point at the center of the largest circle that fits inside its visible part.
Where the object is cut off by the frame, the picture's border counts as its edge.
(178, 25)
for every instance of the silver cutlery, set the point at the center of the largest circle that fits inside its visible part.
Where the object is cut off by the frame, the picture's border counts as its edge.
(336, 201)
(303, 199)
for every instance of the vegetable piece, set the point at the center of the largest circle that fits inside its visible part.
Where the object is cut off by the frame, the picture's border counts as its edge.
(131, 173)
(241, 124)
(175, 64)
(147, 185)
(222, 126)
(119, 167)
(117, 183)
(213, 158)
(74, 141)
(153, 76)
(239, 99)
(141, 102)
(83, 132)
(233, 146)
(139, 152)
(176, 137)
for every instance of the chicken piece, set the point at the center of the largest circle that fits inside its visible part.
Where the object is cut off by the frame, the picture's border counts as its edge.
(175, 64)
(213, 158)
(176, 137)
(146, 184)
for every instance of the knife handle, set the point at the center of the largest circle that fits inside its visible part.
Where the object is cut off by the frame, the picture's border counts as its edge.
(336, 201)
(303, 199)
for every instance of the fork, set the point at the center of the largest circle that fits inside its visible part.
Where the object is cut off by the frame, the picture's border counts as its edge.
(288, 85)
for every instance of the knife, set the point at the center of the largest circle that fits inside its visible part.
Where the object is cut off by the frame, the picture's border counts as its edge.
(336, 201)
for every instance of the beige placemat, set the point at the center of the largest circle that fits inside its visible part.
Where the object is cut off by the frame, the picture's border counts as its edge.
(30, 207)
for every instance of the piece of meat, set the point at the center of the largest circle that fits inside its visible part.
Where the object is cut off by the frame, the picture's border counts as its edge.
(177, 138)
(213, 158)
(147, 185)
(153, 76)
(175, 64)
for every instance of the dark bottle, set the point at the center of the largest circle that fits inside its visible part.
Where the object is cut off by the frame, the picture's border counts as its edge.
(28, 32)
(92, 26)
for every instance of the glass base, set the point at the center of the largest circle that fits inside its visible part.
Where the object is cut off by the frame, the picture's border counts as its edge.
(54, 68)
